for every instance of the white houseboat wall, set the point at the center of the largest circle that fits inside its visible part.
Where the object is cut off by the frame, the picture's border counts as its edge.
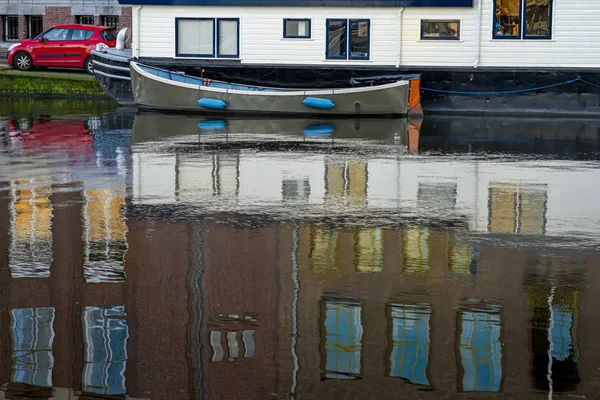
(502, 56)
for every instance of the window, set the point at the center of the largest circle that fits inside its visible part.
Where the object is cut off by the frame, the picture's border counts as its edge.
(56, 34)
(109, 20)
(523, 19)
(348, 39)
(322, 251)
(480, 349)
(105, 337)
(207, 37)
(296, 28)
(11, 27)
(343, 340)
(109, 34)
(440, 30)
(34, 25)
(80, 34)
(410, 342)
(84, 19)
(368, 250)
(32, 336)
(414, 249)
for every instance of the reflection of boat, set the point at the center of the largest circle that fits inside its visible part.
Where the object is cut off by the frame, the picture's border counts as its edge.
(157, 126)
(167, 90)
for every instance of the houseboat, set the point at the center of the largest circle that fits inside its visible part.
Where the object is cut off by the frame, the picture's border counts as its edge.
(473, 56)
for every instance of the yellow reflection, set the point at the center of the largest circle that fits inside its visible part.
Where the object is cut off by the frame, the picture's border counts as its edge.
(532, 215)
(502, 208)
(415, 249)
(105, 235)
(31, 245)
(368, 250)
(459, 252)
(335, 180)
(322, 252)
(357, 185)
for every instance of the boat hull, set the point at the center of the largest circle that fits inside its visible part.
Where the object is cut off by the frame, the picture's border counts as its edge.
(154, 92)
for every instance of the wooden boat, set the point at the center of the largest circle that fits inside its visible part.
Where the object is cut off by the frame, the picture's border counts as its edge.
(161, 89)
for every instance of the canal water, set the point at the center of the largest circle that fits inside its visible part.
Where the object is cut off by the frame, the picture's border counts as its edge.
(159, 256)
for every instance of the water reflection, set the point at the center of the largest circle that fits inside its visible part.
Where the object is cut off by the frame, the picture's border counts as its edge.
(295, 259)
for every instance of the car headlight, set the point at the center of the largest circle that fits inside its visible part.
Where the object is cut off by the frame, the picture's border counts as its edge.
(12, 46)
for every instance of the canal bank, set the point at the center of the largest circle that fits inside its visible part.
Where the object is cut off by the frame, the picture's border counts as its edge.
(48, 83)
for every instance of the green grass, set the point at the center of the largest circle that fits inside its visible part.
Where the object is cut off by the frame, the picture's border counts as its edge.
(49, 83)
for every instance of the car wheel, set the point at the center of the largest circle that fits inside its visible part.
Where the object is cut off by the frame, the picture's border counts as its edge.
(23, 62)
(89, 67)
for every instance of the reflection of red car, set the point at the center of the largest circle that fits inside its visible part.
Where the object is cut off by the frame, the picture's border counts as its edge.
(64, 46)
(48, 135)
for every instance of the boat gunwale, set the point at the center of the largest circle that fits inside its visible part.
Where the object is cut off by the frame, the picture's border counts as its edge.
(275, 93)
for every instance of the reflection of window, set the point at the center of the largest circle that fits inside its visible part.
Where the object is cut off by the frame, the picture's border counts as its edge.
(434, 196)
(105, 236)
(410, 342)
(343, 336)
(480, 351)
(553, 324)
(459, 252)
(323, 242)
(32, 336)
(347, 179)
(105, 356)
(295, 189)
(368, 250)
(440, 29)
(511, 24)
(515, 209)
(31, 242)
(415, 249)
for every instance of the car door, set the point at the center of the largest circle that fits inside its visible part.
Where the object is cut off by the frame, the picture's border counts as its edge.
(76, 49)
(50, 50)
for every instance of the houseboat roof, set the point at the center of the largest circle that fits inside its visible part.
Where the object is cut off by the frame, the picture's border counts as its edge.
(304, 3)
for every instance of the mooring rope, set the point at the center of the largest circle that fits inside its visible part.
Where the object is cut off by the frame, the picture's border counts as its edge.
(578, 79)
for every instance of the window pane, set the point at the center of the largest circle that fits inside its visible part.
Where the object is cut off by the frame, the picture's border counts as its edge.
(56, 34)
(80, 34)
(507, 18)
(448, 30)
(228, 38)
(109, 20)
(195, 37)
(85, 19)
(360, 39)
(297, 28)
(35, 26)
(336, 46)
(109, 34)
(537, 14)
(11, 27)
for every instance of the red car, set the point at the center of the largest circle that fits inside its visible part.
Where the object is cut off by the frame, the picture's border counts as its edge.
(63, 46)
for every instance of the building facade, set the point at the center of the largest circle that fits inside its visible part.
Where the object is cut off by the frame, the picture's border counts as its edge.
(27, 19)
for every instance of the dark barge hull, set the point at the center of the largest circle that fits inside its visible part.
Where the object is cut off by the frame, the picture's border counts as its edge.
(579, 98)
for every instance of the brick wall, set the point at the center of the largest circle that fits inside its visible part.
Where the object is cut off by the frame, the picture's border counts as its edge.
(125, 21)
(57, 15)
(22, 27)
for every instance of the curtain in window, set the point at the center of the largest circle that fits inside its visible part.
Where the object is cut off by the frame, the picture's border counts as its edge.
(228, 38)
(195, 37)
(360, 39)
(336, 47)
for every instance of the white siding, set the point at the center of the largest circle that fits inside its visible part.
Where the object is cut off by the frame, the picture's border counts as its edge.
(262, 33)
(574, 42)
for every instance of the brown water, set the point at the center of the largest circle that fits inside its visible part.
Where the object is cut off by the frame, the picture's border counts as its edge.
(170, 257)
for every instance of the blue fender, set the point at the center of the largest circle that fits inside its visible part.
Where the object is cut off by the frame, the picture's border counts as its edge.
(318, 130)
(212, 104)
(212, 124)
(317, 102)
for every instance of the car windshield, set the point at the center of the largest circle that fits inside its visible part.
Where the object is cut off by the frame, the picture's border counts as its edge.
(109, 34)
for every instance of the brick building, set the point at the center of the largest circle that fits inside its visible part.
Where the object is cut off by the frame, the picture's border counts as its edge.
(26, 19)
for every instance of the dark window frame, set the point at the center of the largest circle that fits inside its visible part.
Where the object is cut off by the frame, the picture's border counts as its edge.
(348, 22)
(103, 21)
(522, 31)
(30, 21)
(78, 19)
(285, 34)
(215, 44)
(450, 21)
(5, 33)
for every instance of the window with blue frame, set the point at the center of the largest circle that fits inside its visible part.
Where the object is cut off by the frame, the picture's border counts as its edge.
(105, 337)
(480, 350)
(207, 37)
(33, 336)
(296, 28)
(343, 340)
(523, 19)
(410, 342)
(348, 39)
